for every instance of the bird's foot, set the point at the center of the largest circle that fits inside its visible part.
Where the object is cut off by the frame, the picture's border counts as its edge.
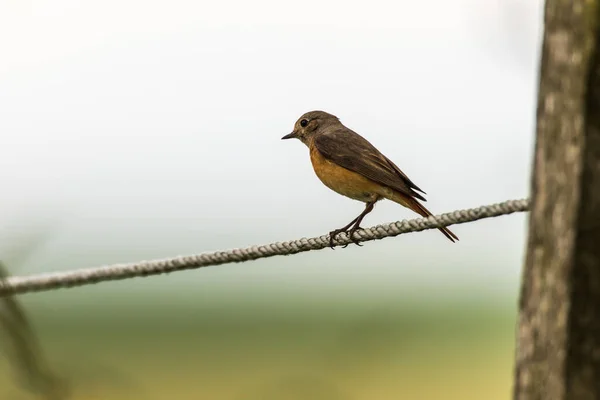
(333, 234)
(350, 233)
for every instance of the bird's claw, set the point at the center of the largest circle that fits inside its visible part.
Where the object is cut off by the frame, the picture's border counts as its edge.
(354, 240)
(333, 235)
(350, 233)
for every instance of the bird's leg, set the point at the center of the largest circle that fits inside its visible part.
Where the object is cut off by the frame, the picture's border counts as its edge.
(354, 225)
(334, 233)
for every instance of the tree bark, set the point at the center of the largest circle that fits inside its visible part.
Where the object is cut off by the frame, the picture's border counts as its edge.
(558, 336)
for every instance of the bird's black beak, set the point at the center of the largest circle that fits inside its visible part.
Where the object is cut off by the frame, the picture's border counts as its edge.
(292, 135)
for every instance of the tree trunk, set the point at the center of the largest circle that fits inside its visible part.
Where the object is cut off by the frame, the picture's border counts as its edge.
(558, 337)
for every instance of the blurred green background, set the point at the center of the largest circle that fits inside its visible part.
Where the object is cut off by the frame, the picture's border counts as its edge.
(122, 341)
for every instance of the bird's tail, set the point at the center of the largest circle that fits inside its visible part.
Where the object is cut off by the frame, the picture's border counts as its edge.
(417, 207)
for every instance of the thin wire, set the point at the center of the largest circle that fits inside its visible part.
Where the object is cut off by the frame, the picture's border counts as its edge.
(87, 276)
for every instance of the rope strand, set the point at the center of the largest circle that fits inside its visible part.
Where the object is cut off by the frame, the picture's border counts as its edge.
(56, 280)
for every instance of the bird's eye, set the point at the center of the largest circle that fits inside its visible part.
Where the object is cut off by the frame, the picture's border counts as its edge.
(303, 123)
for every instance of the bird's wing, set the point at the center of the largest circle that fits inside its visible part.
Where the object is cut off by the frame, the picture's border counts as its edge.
(351, 151)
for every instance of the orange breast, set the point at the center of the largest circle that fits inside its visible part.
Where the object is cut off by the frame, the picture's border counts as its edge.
(342, 180)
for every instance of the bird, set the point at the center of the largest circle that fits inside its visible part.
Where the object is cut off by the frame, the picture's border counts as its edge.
(350, 165)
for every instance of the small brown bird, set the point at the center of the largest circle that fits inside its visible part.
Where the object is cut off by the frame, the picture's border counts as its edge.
(351, 166)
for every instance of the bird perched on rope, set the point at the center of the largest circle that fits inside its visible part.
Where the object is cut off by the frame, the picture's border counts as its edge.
(351, 166)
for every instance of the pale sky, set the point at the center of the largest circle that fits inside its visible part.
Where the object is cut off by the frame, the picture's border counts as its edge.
(152, 129)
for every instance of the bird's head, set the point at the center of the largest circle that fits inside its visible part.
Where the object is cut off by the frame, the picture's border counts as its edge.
(310, 124)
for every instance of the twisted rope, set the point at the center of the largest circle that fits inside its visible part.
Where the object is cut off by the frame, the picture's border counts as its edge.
(56, 280)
